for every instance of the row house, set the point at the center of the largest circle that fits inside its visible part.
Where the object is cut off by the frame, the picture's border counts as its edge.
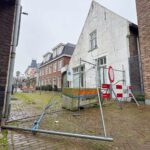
(32, 75)
(50, 69)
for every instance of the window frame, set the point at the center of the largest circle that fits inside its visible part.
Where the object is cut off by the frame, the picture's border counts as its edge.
(59, 65)
(76, 71)
(93, 39)
(102, 62)
(55, 67)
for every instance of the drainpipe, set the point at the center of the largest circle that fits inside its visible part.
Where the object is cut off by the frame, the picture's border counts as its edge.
(14, 44)
(140, 66)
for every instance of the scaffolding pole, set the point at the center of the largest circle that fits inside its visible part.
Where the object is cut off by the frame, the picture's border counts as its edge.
(79, 85)
(67, 134)
(99, 99)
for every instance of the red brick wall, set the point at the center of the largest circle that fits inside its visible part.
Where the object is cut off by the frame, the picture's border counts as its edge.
(6, 26)
(47, 76)
(66, 60)
(143, 12)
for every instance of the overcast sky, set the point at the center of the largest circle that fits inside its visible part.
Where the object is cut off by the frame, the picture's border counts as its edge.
(53, 21)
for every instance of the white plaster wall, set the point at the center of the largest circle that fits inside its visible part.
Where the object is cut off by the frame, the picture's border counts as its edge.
(112, 41)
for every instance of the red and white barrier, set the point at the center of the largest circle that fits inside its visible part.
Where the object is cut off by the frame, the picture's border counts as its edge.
(107, 88)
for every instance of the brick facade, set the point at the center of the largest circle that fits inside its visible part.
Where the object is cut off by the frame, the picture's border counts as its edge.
(50, 69)
(51, 76)
(143, 12)
(6, 27)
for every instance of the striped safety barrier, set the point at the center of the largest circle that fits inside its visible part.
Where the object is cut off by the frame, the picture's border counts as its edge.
(107, 88)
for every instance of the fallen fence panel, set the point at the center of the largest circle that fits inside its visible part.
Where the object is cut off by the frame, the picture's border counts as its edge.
(83, 136)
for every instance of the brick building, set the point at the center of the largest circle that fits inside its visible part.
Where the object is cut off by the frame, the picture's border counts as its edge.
(143, 13)
(32, 69)
(31, 76)
(50, 68)
(7, 15)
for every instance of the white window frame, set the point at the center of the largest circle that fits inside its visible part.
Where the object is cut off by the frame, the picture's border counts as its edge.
(59, 82)
(50, 69)
(76, 72)
(54, 53)
(102, 62)
(55, 67)
(93, 40)
(59, 65)
(54, 81)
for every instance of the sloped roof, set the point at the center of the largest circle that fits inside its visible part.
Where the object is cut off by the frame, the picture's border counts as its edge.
(67, 50)
(33, 65)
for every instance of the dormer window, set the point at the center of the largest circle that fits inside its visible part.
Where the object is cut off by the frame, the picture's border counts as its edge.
(54, 53)
(47, 57)
(58, 50)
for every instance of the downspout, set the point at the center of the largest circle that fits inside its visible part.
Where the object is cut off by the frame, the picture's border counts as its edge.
(14, 44)
(140, 66)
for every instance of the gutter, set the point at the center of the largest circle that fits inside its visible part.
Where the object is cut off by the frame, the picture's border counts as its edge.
(64, 55)
(14, 44)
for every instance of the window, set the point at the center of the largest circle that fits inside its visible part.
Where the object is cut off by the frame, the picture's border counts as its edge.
(50, 69)
(54, 81)
(54, 53)
(45, 82)
(40, 72)
(43, 71)
(50, 82)
(54, 67)
(46, 70)
(59, 50)
(59, 82)
(47, 57)
(78, 75)
(76, 70)
(102, 61)
(59, 65)
(93, 40)
(103, 71)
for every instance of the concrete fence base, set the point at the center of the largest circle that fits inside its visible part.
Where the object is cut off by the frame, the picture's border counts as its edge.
(72, 103)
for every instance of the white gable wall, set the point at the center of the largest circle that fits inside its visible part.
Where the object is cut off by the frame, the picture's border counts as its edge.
(112, 42)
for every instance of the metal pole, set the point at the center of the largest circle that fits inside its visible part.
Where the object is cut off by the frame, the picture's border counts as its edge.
(135, 99)
(37, 122)
(124, 75)
(101, 109)
(87, 62)
(83, 136)
(79, 86)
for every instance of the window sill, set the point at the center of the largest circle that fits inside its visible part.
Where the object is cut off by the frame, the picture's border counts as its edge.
(93, 49)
